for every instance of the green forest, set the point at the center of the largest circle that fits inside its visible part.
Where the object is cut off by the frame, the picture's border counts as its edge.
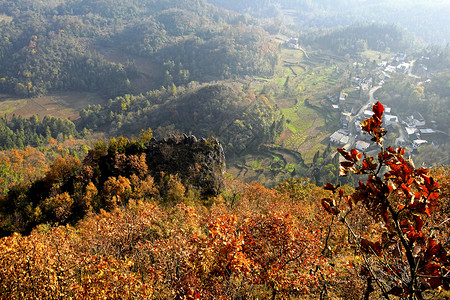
(52, 46)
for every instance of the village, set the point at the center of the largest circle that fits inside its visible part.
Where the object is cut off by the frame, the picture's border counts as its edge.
(411, 131)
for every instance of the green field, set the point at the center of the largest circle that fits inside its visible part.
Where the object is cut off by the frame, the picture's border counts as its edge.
(312, 77)
(66, 105)
(9, 104)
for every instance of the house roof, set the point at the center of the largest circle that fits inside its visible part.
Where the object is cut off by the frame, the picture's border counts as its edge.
(340, 137)
(391, 118)
(426, 130)
(390, 69)
(336, 136)
(362, 145)
(420, 142)
(368, 113)
(410, 130)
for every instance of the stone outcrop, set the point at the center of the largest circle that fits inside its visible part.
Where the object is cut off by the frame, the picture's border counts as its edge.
(199, 163)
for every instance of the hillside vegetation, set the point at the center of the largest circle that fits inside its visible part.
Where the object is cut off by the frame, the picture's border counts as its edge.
(62, 45)
(157, 219)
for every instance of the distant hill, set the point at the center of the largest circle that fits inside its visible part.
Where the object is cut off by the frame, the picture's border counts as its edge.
(360, 37)
(427, 20)
(106, 46)
(242, 121)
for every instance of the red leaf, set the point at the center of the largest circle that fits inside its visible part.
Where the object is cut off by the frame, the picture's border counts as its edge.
(342, 171)
(365, 245)
(377, 248)
(419, 223)
(367, 125)
(390, 149)
(433, 248)
(329, 187)
(369, 247)
(344, 153)
(378, 109)
(347, 164)
(356, 156)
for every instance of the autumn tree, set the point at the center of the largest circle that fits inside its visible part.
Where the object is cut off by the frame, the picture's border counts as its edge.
(400, 253)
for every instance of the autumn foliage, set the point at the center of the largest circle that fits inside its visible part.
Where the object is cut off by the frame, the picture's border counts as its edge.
(105, 228)
(402, 254)
(185, 252)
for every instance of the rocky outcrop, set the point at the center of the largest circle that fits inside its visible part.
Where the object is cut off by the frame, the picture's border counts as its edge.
(199, 163)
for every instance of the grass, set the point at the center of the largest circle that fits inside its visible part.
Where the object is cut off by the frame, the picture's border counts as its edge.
(8, 105)
(300, 116)
(374, 55)
(295, 141)
(66, 105)
(309, 155)
(314, 80)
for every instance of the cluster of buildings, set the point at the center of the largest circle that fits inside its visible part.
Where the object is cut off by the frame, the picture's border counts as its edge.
(413, 130)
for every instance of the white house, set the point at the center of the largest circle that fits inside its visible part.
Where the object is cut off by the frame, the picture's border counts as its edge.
(426, 131)
(368, 113)
(417, 143)
(342, 97)
(403, 67)
(410, 130)
(390, 120)
(383, 64)
(292, 43)
(418, 119)
(390, 69)
(362, 145)
(340, 138)
(345, 118)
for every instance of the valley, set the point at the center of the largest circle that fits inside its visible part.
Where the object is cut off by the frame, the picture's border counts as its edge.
(210, 149)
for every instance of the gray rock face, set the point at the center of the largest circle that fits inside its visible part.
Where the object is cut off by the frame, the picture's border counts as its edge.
(199, 164)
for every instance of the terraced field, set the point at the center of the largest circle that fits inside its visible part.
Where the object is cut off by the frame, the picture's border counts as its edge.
(310, 79)
(61, 105)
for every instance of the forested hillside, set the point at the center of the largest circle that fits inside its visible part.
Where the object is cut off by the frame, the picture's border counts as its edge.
(422, 18)
(361, 37)
(19, 132)
(62, 45)
(173, 149)
(110, 175)
(241, 120)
